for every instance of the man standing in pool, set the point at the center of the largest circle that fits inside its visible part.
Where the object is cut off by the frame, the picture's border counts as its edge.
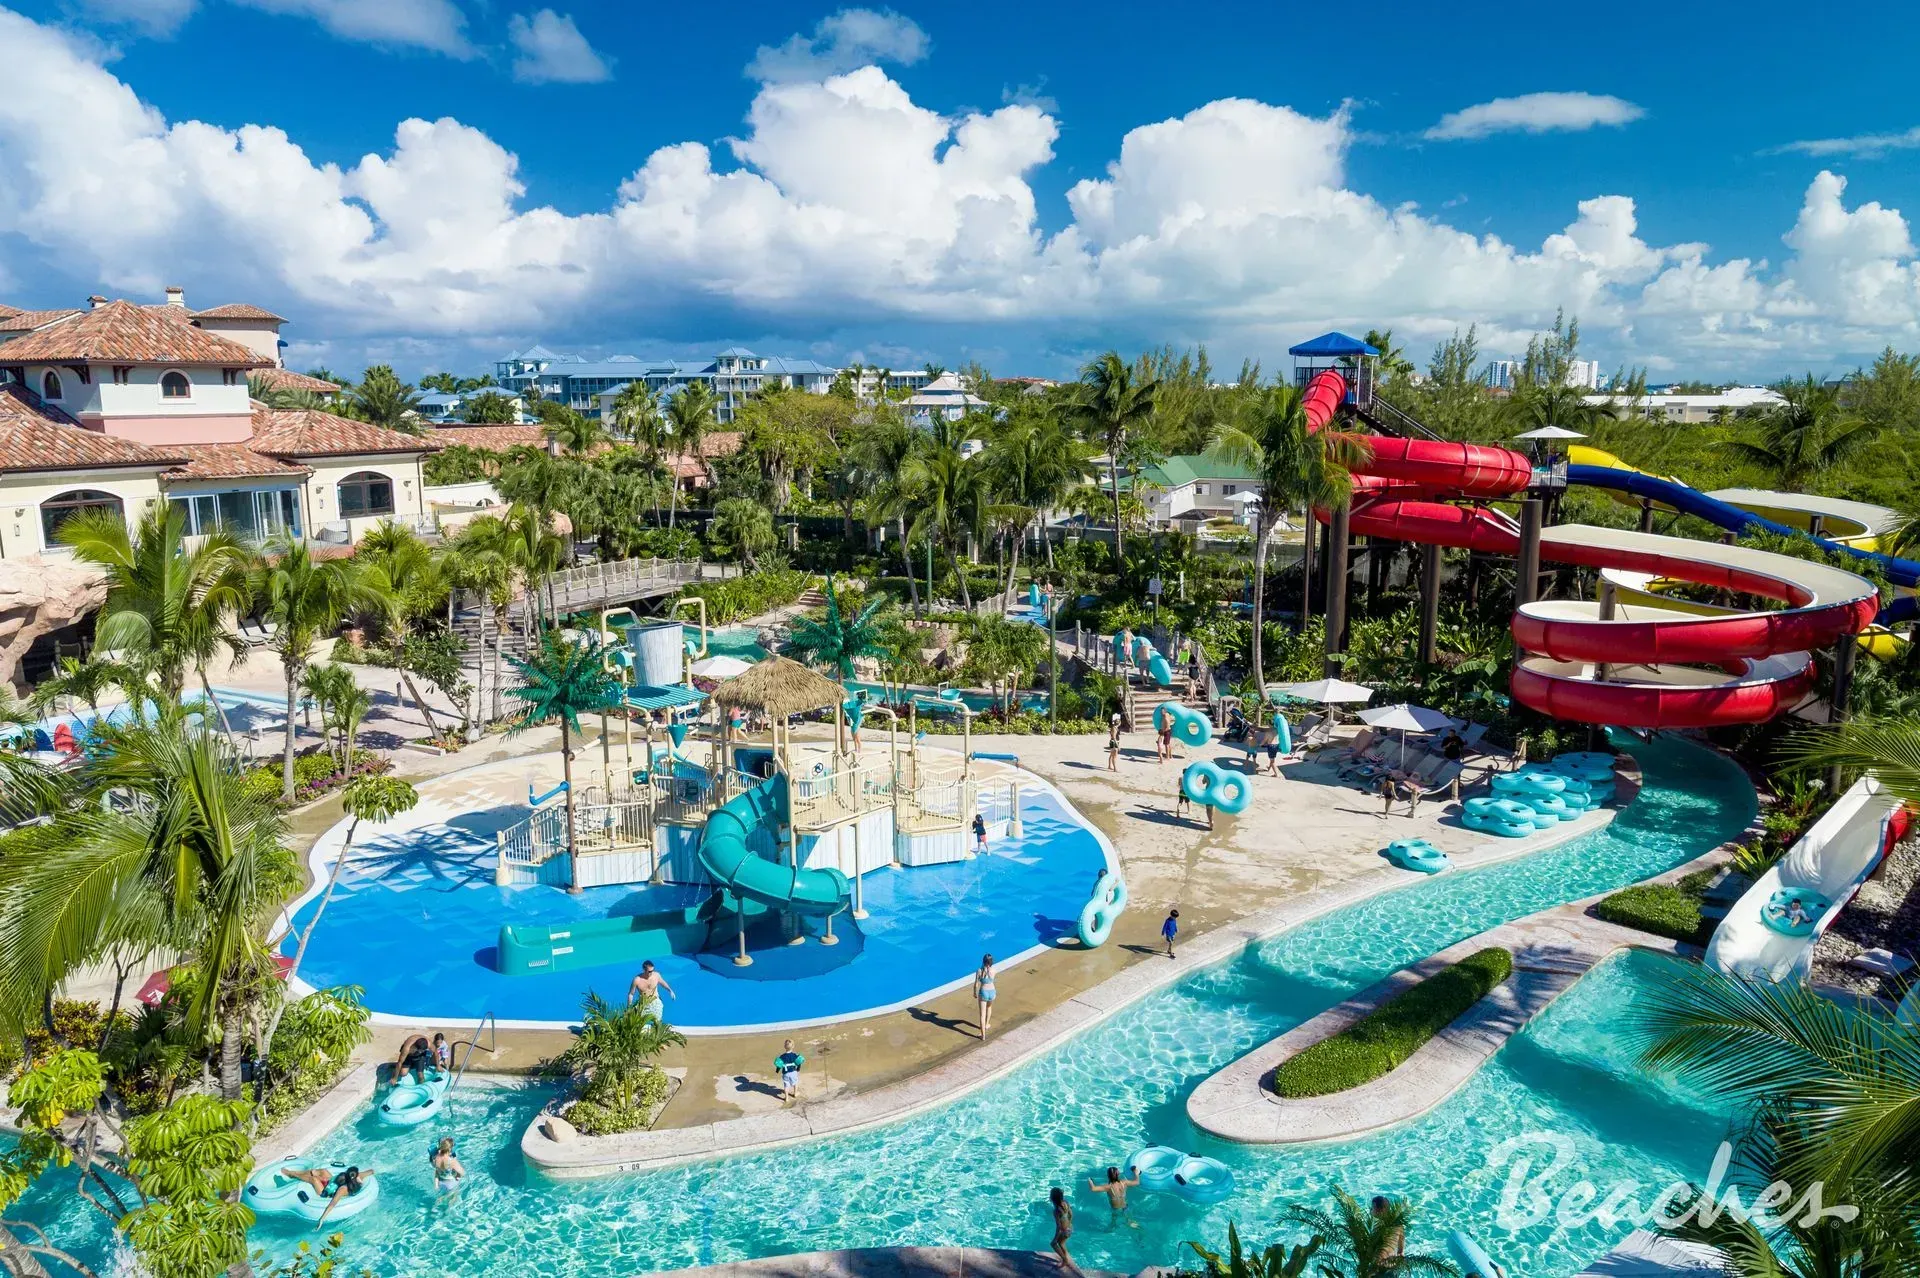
(646, 989)
(1116, 1191)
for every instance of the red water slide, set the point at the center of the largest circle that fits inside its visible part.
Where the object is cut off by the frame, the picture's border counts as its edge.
(1638, 667)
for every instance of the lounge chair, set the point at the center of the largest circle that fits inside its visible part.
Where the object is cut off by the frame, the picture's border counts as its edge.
(1363, 741)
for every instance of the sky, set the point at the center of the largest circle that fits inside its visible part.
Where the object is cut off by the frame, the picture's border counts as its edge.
(1714, 190)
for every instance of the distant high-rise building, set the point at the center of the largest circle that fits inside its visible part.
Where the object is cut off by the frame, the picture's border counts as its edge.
(1582, 374)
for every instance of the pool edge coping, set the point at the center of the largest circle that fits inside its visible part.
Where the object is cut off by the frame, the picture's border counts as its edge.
(974, 1069)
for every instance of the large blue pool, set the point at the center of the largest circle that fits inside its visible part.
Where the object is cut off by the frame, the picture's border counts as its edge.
(977, 1171)
(417, 918)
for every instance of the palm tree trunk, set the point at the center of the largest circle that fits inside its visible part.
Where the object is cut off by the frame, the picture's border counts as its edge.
(426, 712)
(232, 1046)
(906, 560)
(1013, 569)
(499, 629)
(1306, 570)
(1260, 610)
(673, 500)
(286, 762)
(959, 574)
(1113, 478)
(300, 950)
(566, 773)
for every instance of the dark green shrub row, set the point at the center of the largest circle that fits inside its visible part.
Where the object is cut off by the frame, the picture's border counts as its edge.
(1664, 909)
(1380, 1041)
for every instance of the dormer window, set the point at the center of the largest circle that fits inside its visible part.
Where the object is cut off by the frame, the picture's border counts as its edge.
(50, 385)
(174, 385)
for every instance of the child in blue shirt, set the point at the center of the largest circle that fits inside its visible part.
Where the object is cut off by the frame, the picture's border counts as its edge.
(1170, 929)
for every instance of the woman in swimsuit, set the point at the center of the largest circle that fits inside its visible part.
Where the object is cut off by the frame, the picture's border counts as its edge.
(984, 993)
(447, 1169)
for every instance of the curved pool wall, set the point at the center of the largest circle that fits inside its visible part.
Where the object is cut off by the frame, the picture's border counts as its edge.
(416, 922)
(977, 1171)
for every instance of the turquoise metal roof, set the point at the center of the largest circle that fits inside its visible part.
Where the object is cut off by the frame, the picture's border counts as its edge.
(645, 696)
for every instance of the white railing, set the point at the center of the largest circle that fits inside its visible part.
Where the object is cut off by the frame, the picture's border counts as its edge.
(530, 845)
(596, 583)
(600, 824)
(832, 797)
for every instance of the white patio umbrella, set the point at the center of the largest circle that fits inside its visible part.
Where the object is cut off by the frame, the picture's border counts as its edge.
(1326, 692)
(1550, 432)
(721, 667)
(1403, 718)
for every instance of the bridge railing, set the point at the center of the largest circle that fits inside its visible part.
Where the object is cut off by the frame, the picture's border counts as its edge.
(593, 584)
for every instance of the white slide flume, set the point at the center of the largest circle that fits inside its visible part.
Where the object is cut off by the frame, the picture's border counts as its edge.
(1822, 871)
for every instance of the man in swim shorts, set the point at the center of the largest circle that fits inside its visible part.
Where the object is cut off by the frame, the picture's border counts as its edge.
(646, 989)
(416, 1058)
(1116, 1191)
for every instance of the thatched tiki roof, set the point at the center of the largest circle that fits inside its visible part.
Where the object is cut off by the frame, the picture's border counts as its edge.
(779, 686)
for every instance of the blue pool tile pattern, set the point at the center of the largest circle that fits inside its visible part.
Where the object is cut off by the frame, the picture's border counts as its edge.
(416, 921)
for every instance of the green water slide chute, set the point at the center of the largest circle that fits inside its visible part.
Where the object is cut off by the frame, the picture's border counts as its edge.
(727, 855)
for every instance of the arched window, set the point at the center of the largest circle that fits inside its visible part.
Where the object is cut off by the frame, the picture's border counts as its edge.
(58, 509)
(366, 492)
(175, 386)
(50, 385)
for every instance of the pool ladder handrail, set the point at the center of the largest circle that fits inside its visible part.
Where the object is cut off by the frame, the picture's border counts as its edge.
(473, 1044)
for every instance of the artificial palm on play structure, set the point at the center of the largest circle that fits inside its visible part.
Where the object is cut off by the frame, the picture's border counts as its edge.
(837, 640)
(563, 681)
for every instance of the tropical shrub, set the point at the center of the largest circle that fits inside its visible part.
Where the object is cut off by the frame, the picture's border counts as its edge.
(748, 596)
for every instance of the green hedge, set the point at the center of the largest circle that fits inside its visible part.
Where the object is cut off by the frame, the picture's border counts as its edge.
(1380, 1041)
(1664, 909)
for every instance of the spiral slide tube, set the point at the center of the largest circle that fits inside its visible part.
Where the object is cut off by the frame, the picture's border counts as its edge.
(1638, 667)
(729, 859)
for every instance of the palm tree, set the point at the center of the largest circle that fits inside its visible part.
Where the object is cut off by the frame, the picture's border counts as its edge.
(1114, 401)
(184, 859)
(373, 799)
(383, 399)
(1293, 466)
(617, 1046)
(691, 414)
(1840, 1084)
(305, 599)
(324, 684)
(168, 608)
(886, 459)
(744, 526)
(404, 581)
(577, 433)
(837, 640)
(952, 495)
(1032, 465)
(563, 681)
(1808, 434)
(86, 682)
(1888, 748)
(636, 414)
(1362, 1243)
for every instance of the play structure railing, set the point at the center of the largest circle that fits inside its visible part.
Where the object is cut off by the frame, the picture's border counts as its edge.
(832, 797)
(593, 584)
(601, 823)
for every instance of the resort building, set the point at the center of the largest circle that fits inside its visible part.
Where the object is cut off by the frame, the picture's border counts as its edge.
(1196, 488)
(944, 398)
(121, 405)
(589, 386)
(438, 407)
(1697, 409)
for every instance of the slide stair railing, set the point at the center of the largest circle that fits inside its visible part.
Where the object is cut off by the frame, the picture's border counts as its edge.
(1383, 416)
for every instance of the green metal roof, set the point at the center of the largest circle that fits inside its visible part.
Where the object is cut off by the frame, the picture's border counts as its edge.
(1194, 467)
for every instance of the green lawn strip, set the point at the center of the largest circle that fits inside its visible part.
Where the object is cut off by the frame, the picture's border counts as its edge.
(1665, 909)
(1385, 1037)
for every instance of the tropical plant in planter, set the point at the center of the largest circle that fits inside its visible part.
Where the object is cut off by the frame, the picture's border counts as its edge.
(616, 1051)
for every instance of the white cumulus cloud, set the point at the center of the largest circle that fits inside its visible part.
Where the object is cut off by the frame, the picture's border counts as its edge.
(842, 42)
(1535, 113)
(846, 207)
(435, 25)
(551, 50)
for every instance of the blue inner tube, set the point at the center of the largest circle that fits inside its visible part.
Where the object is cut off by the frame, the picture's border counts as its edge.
(271, 1192)
(1156, 1166)
(1778, 912)
(1202, 1180)
(1097, 916)
(410, 1104)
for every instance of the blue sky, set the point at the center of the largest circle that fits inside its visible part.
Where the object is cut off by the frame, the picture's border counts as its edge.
(1270, 185)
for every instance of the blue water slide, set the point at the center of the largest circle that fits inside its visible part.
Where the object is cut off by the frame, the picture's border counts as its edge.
(727, 855)
(1691, 501)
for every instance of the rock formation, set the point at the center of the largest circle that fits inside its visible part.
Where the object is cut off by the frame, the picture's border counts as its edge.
(38, 596)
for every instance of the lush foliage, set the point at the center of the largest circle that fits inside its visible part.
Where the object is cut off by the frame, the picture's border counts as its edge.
(614, 1055)
(1380, 1041)
(1664, 909)
(738, 598)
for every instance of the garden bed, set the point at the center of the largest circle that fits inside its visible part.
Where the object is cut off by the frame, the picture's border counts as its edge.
(1379, 1042)
(1672, 910)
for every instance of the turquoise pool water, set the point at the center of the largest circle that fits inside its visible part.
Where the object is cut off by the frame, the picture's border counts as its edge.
(976, 1172)
(742, 642)
(929, 698)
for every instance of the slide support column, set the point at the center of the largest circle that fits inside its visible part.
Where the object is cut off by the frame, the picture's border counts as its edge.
(1646, 514)
(1337, 585)
(1842, 693)
(1527, 588)
(1429, 603)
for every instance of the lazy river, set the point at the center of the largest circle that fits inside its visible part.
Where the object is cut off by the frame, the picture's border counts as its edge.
(976, 1172)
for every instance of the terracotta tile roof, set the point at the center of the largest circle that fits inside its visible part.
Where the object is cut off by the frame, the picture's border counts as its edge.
(239, 311)
(34, 435)
(128, 333)
(230, 461)
(7, 312)
(27, 321)
(287, 379)
(494, 439)
(308, 432)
